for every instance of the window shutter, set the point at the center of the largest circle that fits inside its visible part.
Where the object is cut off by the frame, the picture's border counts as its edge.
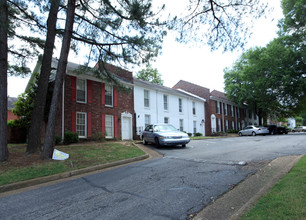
(89, 91)
(103, 95)
(73, 121)
(73, 88)
(116, 126)
(89, 125)
(102, 124)
(115, 97)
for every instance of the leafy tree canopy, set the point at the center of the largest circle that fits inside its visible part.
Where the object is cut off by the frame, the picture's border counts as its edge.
(150, 74)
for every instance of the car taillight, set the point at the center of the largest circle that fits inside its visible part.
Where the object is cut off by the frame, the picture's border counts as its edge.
(259, 129)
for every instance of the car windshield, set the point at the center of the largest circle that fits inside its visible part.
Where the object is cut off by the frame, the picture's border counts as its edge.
(164, 128)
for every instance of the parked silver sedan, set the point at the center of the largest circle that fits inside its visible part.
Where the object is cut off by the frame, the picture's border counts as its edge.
(253, 130)
(164, 135)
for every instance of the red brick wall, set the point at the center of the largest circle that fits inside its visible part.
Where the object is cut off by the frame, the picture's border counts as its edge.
(10, 115)
(96, 108)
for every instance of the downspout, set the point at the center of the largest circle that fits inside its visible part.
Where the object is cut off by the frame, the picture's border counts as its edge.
(63, 112)
(204, 133)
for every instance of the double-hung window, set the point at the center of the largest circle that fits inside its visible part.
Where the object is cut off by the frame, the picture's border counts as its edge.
(109, 95)
(81, 123)
(194, 127)
(166, 103)
(180, 105)
(147, 120)
(146, 98)
(109, 126)
(166, 120)
(225, 108)
(218, 107)
(232, 111)
(181, 124)
(193, 108)
(81, 90)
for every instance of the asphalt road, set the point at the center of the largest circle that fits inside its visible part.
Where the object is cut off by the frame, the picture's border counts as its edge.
(173, 187)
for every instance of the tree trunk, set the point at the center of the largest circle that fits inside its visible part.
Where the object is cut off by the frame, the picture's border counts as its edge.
(3, 79)
(34, 144)
(60, 74)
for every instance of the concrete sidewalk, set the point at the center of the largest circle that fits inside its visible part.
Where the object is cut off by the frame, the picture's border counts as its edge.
(238, 201)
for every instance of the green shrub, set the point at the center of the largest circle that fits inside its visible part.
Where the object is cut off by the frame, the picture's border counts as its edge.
(198, 134)
(232, 131)
(71, 137)
(98, 137)
(58, 140)
(189, 134)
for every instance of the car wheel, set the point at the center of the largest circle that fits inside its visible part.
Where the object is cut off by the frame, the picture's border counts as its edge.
(240, 134)
(253, 133)
(183, 145)
(144, 141)
(272, 132)
(157, 142)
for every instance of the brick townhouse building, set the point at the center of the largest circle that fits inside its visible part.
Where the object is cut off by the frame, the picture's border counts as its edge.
(93, 107)
(221, 114)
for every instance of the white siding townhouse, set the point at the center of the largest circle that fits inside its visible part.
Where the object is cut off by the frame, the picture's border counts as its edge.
(159, 104)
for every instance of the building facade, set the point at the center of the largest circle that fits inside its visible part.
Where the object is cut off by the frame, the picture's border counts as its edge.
(159, 104)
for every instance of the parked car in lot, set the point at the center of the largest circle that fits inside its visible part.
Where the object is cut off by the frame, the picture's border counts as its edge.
(299, 129)
(253, 130)
(273, 129)
(164, 135)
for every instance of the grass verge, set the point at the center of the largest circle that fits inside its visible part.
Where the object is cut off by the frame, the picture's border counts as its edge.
(286, 200)
(20, 167)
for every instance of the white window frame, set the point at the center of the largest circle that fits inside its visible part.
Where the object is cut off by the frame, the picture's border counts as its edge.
(225, 109)
(109, 127)
(238, 112)
(166, 105)
(85, 92)
(219, 129)
(194, 127)
(166, 120)
(81, 124)
(146, 93)
(226, 125)
(147, 120)
(181, 124)
(180, 105)
(232, 110)
(194, 108)
(110, 88)
(218, 107)
(233, 125)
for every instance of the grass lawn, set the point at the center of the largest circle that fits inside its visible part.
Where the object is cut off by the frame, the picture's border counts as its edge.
(286, 200)
(20, 167)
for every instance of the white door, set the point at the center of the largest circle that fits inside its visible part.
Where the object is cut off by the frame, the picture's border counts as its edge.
(126, 128)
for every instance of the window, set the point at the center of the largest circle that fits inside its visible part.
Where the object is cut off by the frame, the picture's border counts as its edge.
(238, 125)
(181, 124)
(218, 124)
(165, 102)
(233, 125)
(255, 116)
(147, 120)
(218, 107)
(81, 90)
(250, 114)
(225, 109)
(108, 95)
(109, 126)
(81, 124)
(194, 127)
(232, 111)
(166, 120)
(146, 99)
(238, 112)
(193, 108)
(180, 105)
(226, 125)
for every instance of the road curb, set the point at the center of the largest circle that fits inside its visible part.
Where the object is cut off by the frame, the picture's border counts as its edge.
(40, 180)
(238, 201)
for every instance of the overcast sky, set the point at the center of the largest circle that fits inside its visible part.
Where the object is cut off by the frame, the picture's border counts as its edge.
(195, 64)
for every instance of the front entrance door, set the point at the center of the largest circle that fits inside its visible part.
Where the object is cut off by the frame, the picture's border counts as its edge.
(126, 128)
